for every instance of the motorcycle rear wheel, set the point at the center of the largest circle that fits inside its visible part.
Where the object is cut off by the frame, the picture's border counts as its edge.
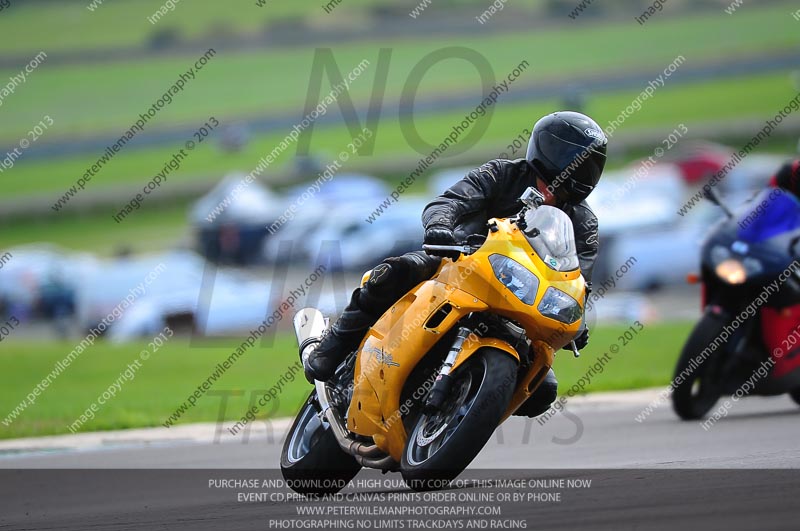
(311, 460)
(697, 393)
(442, 445)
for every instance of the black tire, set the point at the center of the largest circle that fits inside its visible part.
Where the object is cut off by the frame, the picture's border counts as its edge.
(795, 396)
(311, 460)
(696, 394)
(480, 394)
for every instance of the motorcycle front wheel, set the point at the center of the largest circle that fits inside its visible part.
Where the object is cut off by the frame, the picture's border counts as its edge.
(311, 460)
(699, 388)
(441, 445)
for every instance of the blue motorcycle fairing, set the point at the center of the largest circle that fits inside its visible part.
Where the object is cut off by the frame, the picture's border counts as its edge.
(781, 214)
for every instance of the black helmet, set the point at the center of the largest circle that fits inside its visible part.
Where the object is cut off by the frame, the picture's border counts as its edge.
(568, 149)
(788, 177)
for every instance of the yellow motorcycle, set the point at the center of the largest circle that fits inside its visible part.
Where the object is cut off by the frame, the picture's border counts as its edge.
(447, 363)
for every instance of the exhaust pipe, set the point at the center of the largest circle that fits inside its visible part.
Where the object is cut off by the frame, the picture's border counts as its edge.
(309, 324)
(368, 455)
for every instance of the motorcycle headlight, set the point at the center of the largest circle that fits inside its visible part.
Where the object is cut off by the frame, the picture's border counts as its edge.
(513, 275)
(731, 271)
(559, 306)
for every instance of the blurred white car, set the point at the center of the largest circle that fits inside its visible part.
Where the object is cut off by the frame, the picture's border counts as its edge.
(228, 308)
(749, 176)
(624, 202)
(347, 241)
(136, 276)
(183, 290)
(341, 196)
(639, 222)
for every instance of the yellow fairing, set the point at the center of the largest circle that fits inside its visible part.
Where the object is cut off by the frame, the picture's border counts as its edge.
(389, 353)
(408, 330)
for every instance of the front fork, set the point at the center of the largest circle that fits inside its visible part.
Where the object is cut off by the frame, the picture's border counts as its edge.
(443, 383)
(465, 344)
(741, 349)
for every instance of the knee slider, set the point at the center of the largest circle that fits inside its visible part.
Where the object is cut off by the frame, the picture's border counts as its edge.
(380, 290)
(549, 386)
(381, 277)
(548, 390)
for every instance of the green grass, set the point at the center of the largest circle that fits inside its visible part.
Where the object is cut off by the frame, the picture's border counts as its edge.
(753, 97)
(645, 361)
(69, 25)
(165, 380)
(106, 98)
(114, 24)
(161, 384)
(146, 231)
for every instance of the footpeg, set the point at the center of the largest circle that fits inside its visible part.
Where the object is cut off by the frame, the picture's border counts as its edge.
(306, 347)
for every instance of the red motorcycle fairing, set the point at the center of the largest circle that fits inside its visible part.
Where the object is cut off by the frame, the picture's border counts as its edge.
(780, 328)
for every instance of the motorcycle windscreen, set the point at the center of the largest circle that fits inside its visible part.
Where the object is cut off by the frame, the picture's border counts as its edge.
(550, 233)
(771, 213)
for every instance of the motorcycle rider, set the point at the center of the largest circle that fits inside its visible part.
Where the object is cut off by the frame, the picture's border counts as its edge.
(564, 161)
(788, 178)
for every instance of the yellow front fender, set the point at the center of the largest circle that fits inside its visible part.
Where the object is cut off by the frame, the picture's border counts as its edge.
(473, 343)
(528, 383)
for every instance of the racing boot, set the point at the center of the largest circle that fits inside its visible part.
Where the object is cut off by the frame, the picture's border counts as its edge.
(541, 399)
(343, 337)
(385, 285)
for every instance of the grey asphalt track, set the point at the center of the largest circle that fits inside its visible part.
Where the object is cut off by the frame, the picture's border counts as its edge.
(757, 433)
(658, 474)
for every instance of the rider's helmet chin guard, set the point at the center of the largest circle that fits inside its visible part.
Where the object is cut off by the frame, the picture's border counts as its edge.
(568, 150)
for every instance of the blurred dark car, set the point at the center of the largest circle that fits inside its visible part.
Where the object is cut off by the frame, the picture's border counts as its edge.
(41, 281)
(231, 221)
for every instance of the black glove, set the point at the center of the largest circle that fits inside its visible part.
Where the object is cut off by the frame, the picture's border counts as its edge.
(441, 235)
(581, 340)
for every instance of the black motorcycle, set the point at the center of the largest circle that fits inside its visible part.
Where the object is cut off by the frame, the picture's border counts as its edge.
(748, 339)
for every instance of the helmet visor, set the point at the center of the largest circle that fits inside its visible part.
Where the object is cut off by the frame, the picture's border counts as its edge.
(578, 179)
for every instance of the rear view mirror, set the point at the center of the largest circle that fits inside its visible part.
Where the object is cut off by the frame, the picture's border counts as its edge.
(711, 195)
(532, 197)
